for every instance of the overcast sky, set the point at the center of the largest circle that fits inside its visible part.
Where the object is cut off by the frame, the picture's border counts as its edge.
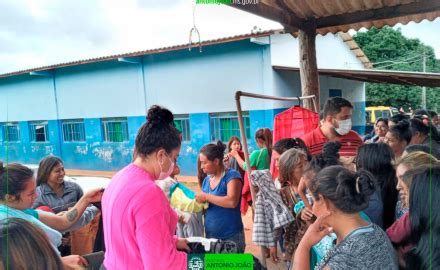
(36, 33)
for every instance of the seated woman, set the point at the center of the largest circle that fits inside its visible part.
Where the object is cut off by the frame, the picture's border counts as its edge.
(28, 247)
(17, 194)
(339, 195)
(59, 195)
(424, 215)
(222, 189)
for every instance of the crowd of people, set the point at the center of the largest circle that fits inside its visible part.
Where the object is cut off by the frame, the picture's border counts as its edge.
(338, 201)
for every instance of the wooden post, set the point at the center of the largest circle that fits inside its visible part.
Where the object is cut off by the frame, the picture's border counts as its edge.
(308, 69)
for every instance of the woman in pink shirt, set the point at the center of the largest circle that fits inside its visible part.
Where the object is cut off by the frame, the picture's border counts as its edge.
(139, 224)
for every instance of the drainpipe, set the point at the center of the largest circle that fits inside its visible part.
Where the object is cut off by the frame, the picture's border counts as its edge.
(60, 136)
(51, 73)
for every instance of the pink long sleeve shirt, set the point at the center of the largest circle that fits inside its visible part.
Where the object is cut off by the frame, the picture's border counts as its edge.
(139, 224)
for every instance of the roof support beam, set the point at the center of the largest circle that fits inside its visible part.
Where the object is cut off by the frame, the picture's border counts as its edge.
(418, 7)
(402, 80)
(308, 70)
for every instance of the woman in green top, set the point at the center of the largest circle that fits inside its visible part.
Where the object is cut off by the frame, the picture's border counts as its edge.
(259, 159)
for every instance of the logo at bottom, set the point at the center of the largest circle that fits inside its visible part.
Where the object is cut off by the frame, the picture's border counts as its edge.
(196, 262)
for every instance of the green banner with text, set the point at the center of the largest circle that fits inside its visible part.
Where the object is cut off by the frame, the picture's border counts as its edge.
(220, 261)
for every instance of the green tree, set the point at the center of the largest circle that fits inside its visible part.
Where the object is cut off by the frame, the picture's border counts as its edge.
(388, 49)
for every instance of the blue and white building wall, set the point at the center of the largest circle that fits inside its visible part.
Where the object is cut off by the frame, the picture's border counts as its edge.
(86, 98)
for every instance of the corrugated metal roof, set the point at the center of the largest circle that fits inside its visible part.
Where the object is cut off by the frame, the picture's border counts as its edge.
(354, 47)
(380, 76)
(145, 52)
(332, 16)
(345, 37)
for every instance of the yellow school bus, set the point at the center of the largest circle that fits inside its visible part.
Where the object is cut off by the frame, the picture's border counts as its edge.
(375, 112)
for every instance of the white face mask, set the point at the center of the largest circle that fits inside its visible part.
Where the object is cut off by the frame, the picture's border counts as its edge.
(164, 175)
(344, 127)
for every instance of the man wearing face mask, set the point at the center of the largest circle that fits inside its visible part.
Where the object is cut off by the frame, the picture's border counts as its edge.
(335, 126)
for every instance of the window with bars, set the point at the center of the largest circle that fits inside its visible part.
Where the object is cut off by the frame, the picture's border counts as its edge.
(73, 130)
(39, 131)
(225, 125)
(115, 129)
(182, 124)
(11, 132)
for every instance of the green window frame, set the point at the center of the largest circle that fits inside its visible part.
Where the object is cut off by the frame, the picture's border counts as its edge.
(115, 129)
(225, 125)
(181, 122)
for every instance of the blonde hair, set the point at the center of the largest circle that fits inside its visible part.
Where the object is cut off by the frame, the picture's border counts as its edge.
(413, 161)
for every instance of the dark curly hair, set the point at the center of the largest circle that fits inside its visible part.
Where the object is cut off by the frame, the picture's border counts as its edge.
(283, 145)
(328, 157)
(349, 192)
(158, 132)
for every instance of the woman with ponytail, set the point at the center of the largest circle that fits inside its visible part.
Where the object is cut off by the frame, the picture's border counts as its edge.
(139, 224)
(222, 190)
(339, 195)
